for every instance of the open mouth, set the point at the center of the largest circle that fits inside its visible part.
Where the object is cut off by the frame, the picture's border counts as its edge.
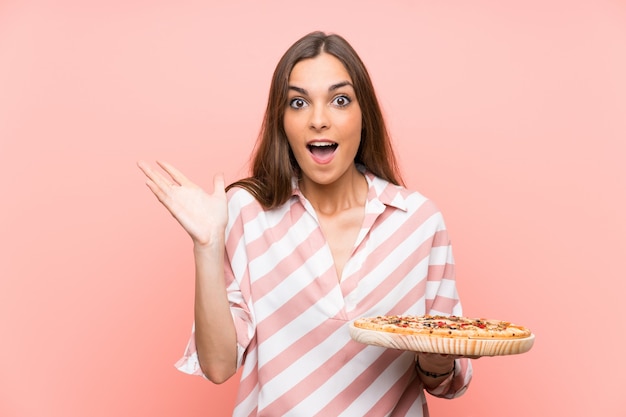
(322, 149)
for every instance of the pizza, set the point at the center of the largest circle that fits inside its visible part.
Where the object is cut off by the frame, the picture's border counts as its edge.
(444, 326)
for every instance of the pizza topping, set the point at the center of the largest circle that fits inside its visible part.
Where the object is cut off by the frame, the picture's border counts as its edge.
(448, 326)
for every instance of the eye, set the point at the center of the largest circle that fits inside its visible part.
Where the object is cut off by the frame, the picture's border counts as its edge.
(341, 101)
(297, 103)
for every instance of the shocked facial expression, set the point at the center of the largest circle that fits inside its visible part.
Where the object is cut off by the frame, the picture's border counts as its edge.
(322, 119)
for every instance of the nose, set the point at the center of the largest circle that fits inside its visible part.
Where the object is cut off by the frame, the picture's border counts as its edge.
(319, 119)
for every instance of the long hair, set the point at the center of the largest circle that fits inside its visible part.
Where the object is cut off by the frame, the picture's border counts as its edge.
(274, 165)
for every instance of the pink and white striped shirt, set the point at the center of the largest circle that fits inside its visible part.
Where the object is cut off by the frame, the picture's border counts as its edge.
(292, 312)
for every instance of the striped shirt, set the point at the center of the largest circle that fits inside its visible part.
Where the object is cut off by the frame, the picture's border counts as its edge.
(292, 312)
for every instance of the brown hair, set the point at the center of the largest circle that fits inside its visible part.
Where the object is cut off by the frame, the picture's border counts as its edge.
(274, 165)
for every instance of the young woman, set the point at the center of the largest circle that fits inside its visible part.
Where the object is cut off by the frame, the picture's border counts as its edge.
(321, 233)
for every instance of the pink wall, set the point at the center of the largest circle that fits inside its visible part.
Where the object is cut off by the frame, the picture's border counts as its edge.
(510, 115)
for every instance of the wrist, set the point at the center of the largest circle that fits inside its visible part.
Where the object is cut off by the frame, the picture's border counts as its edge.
(430, 374)
(216, 239)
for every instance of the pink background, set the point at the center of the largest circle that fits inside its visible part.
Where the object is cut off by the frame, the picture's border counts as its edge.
(510, 115)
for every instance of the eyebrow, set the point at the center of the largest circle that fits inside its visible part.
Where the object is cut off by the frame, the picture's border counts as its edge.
(331, 88)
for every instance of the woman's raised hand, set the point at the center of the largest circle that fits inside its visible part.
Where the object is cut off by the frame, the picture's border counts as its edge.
(202, 215)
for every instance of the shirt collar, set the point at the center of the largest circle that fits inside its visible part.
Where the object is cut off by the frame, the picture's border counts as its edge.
(385, 192)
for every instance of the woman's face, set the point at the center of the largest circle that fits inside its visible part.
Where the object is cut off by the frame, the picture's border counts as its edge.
(322, 119)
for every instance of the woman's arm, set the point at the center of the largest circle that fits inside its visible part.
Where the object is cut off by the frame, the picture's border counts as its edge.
(204, 217)
(442, 298)
(216, 340)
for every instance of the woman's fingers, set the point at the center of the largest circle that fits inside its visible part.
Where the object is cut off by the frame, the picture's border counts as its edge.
(153, 176)
(177, 176)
